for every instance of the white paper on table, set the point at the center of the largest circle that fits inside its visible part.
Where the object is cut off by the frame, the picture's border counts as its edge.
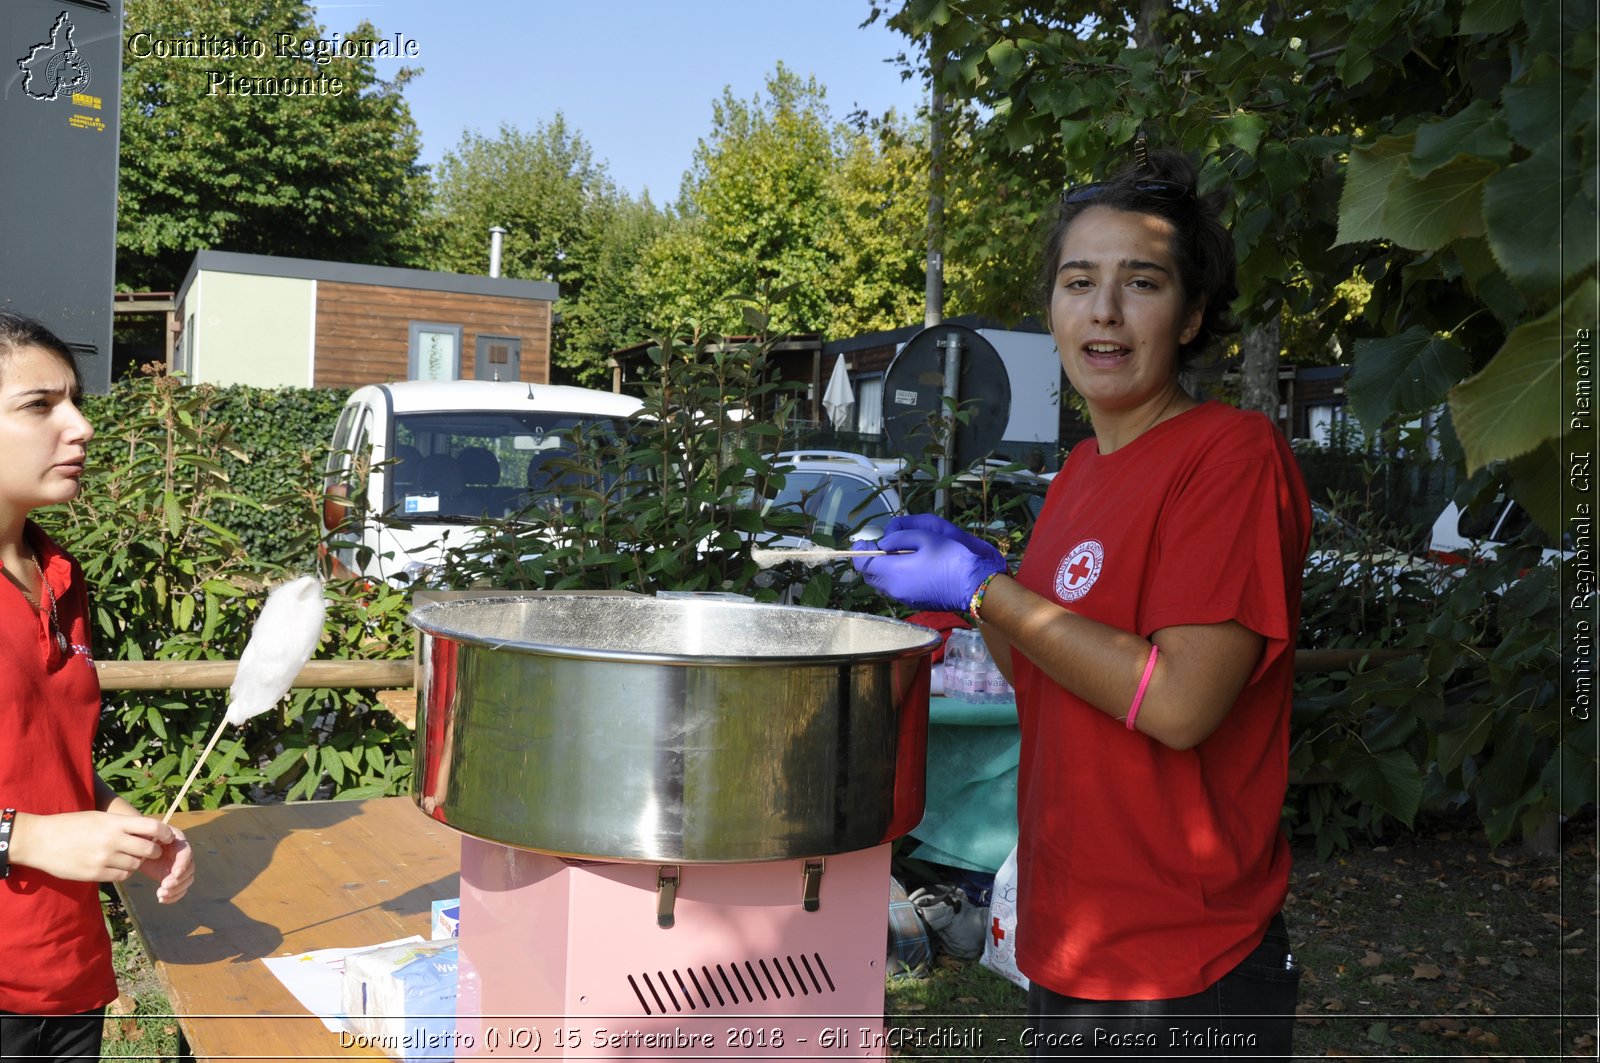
(317, 978)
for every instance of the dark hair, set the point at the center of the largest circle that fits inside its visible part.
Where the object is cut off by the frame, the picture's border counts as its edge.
(1165, 185)
(18, 333)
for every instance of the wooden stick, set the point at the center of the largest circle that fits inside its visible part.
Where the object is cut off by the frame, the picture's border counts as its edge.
(766, 558)
(177, 802)
(401, 675)
(211, 675)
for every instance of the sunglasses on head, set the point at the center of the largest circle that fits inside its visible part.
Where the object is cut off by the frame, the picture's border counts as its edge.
(1154, 188)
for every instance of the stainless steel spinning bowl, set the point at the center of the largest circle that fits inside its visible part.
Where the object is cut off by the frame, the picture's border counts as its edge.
(682, 730)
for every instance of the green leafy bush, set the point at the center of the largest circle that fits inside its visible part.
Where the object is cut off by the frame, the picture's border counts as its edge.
(281, 434)
(1470, 717)
(273, 435)
(676, 504)
(1402, 491)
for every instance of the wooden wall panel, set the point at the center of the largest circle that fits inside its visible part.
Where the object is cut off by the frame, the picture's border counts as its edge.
(363, 331)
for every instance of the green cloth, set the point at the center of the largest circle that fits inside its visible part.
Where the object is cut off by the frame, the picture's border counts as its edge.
(971, 815)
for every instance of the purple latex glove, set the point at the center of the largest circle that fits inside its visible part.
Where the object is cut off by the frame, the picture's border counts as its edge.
(939, 526)
(941, 571)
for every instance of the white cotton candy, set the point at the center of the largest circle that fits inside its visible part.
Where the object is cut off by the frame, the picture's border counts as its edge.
(288, 630)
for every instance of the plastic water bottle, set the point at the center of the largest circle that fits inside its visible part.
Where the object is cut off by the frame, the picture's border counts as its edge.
(989, 686)
(998, 689)
(986, 670)
(977, 667)
(960, 677)
(953, 647)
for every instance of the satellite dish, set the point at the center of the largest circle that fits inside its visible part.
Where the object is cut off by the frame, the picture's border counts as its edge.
(913, 394)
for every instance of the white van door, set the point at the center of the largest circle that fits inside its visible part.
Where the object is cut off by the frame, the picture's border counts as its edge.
(345, 508)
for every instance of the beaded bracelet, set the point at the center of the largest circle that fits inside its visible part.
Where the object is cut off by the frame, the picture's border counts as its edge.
(977, 595)
(1144, 682)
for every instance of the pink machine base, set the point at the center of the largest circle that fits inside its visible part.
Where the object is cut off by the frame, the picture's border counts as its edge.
(566, 960)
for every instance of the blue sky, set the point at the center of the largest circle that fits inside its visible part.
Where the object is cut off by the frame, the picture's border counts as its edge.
(636, 77)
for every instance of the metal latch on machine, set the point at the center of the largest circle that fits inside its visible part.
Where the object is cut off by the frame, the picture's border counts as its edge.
(811, 884)
(666, 895)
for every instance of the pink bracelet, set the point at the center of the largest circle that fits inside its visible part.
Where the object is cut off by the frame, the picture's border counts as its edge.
(1144, 682)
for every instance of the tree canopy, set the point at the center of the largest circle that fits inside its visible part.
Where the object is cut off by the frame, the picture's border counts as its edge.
(538, 186)
(612, 311)
(781, 197)
(565, 221)
(1402, 174)
(218, 153)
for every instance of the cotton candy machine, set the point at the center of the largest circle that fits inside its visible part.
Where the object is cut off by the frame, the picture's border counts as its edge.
(676, 815)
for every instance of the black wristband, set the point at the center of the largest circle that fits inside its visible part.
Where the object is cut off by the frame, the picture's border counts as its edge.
(7, 817)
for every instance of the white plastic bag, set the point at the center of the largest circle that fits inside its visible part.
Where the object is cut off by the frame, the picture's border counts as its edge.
(955, 921)
(1000, 943)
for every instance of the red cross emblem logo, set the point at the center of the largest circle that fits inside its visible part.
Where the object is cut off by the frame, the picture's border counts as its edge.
(1079, 570)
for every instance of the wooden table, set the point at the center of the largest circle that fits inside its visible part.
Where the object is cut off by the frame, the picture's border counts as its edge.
(280, 880)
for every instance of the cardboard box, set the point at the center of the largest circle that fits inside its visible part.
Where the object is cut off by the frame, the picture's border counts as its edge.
(446, 919)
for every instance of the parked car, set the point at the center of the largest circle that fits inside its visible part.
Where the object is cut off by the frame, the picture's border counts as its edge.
(846, 495)
(838, 493)
(415, 462)
(1460, 535)
(1339, 546)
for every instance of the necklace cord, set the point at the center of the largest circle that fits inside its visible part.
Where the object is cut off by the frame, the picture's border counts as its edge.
(48, 594)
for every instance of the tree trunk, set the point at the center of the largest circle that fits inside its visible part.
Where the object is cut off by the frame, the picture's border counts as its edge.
(933, 282)
(1147, 29)
(1258, 370)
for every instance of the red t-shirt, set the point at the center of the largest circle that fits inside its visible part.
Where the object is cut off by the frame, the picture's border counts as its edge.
(57, 955)
(1146, 872)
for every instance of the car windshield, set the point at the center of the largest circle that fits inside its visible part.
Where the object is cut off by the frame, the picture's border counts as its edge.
(487, 464)
(1503, 522)
(834, 504)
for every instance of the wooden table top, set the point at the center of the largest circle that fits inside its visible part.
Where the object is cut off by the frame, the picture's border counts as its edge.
(279, 880)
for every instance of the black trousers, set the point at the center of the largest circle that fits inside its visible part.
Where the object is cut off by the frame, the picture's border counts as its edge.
(1247, 1014)
(47, 1037)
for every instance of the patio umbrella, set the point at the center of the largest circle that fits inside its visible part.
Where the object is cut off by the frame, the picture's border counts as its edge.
(840, 398)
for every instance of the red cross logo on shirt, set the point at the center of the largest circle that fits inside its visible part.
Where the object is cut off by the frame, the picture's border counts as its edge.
(996, 932)
(1079, 570)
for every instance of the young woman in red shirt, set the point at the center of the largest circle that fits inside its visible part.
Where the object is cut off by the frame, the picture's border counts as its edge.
(1149, 632)
(62, 830)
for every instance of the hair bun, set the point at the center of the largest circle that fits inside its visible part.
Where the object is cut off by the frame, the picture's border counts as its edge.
(1166, 165)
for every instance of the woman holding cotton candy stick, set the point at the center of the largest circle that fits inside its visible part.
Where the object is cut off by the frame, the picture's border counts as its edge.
(62, 830)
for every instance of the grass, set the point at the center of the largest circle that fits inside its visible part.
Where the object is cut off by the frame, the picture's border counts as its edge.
(1430, 945)
(1436, 945)
(139, 1024)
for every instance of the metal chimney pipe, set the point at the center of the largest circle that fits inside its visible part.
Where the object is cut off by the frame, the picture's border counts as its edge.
(497, 237)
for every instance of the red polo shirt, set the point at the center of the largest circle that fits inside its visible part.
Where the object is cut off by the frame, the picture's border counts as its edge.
(1147, 872)
(57, 955)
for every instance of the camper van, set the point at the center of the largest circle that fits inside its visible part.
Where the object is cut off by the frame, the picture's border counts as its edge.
(419, 465)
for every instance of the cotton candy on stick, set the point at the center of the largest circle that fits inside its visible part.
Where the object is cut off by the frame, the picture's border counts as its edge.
(286, 632)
